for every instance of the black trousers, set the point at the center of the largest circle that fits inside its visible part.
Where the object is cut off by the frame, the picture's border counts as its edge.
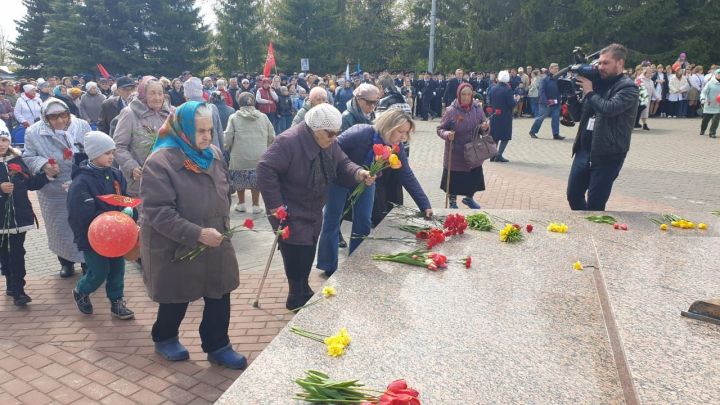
(298, 260)
(213, 328)
(12, 261)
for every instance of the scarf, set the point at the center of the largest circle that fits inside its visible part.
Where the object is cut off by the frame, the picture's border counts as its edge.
(464, 107)
(29, 96)
(322, 172)
(178, 132)
(142, 87)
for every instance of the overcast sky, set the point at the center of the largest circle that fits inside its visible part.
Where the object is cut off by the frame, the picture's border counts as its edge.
(14, 10)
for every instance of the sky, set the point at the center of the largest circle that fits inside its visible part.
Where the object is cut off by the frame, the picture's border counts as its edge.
(14, 10)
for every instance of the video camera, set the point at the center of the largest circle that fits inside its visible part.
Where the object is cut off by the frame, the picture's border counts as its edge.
(585, 66)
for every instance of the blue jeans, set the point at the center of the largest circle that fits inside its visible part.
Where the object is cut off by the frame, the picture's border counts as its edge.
(284, 123)
(543, 111)
(273, 117)
(682, 108)
(596, 178)
(533, 104)
(332, 218)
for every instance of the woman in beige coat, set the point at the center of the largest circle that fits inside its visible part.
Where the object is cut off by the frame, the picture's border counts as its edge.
(248, 135)
(136, 129)
(186, 203)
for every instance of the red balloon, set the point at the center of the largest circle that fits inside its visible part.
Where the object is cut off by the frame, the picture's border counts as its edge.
(113, 234)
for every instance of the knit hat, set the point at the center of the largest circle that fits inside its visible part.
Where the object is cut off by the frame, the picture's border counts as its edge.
(4, 133)
(74, 91)
(324, 116)
(41, 84)
(367, 91)
(96, 143)
(90, 85)
(504, 76)
(28, 87)
(193, 88)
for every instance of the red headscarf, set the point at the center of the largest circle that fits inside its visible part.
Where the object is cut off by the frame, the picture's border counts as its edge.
(465, 107)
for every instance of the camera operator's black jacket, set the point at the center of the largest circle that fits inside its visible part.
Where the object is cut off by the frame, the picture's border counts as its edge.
(615, 109)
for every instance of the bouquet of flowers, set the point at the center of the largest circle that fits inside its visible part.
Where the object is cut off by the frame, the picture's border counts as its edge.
(385, 157)
(318, 387)
(421, 258)
(336, 343)
(13, 169)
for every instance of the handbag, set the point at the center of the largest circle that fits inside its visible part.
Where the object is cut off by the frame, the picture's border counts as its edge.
(481, 147)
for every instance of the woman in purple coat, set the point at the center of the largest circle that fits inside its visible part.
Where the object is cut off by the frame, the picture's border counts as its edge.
(294, 173)
(456, 129)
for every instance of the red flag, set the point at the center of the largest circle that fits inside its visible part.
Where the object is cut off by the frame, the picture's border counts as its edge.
(269, 61)
(102, 70)
(119, 200)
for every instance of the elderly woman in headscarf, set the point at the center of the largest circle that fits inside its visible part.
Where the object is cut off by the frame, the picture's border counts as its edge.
(186, 203)
(456, 129)
(294, 173)
(137, 128)
(359, 144)
(91, 104)
(248, 135)
(52, 146)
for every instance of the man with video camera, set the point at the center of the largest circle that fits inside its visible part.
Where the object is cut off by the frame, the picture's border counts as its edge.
(607, 115)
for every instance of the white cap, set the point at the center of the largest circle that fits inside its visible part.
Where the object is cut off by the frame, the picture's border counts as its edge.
(324, 116)
(503, 76)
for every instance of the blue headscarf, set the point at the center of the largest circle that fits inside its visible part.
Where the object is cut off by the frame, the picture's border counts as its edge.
(57, 91)
(179, 132)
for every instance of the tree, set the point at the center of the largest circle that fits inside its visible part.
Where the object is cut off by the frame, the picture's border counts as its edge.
(239, 42)
(31, 29)
(62, 45)
(372, 29)
(4, 48)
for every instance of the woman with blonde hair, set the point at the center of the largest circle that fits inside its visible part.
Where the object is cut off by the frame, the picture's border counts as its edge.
(393, 127)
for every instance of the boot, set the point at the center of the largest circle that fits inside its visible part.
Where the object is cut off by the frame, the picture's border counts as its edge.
(452, 203)
(83, 302)
(227, 357)
(20, 299)
(501, 149)
(172, 350)
(645, 127)
(119, 310)
(67, 270)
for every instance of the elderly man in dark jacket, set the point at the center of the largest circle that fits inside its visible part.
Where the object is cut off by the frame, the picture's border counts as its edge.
(112, 106)
(452, 86)
(607, 115)
(294, 173)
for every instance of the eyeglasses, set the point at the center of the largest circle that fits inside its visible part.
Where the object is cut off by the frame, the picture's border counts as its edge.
(55, 117)
(331, 134)
(371, 102)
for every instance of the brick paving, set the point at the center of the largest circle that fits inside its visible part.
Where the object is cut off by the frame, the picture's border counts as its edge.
(50, 353)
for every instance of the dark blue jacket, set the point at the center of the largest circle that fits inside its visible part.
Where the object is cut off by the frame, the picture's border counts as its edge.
(549, 90)
(357, 141)
(501, 97)
(83, 206)
(22, 218)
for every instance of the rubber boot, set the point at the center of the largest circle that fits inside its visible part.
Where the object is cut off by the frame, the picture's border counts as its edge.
(172, 350)
(227, 357)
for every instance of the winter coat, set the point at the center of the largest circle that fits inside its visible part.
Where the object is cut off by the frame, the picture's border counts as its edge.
(549, 91)
(176, 97)
(284, 106)
(463, 123)
(27, 110)
(297, 103)
(22, 218)
(451, 91)
(501, 97)
(709, 97)
(354, 115)
(91, 107)
(177, 204)
(82, 202)
(133, 136)
(41, 144)
(248, 135)
(357, 141)
(110, 109)
(282, 175)
(344, 95)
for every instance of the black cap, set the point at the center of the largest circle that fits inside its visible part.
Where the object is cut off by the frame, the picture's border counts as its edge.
(125, 81)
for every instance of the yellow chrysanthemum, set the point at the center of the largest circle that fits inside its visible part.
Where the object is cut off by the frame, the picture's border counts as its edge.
(329, 291)
(577, 265)
(702, 226)
(663, 227)
(333, 340)
(344, 336)
(335, 350)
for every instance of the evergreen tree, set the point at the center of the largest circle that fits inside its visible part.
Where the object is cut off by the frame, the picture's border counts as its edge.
(372, 29)
(309, 29)
(239, 42)
(31, 29)
(63, 46)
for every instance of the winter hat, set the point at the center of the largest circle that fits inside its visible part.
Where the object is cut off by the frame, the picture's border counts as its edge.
(504, 76)
(367, 91)
(90, 85)
(75, 92)
(54, 106)
(96, 143)
(4, 133)
(193, 88)
(41, 84)
(28, 88)
(324, 116)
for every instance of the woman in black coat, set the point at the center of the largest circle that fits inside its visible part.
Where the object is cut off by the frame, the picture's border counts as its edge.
(502, 101)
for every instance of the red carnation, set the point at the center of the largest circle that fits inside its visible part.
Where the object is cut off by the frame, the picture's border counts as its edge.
(489, 110)
(281, 214)
(529, 228)
(249, 224)
(285, 233)
(498, 111)
(67, 153)
(468, 262)
(52, 161)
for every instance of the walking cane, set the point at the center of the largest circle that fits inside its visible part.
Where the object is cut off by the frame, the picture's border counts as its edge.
(256, 304)
(447, 180)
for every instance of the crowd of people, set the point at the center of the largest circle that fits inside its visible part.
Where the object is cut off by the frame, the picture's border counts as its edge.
(186, 146)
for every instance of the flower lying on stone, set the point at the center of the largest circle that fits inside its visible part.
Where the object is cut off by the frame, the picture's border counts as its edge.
(335, 344)
(511, 233)
(663, 227)
(329, 291)
(577, 266)
(557, 227)
(702, 226)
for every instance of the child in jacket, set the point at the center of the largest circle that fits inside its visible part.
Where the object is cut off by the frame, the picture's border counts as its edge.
(16, 216)
(93, 178)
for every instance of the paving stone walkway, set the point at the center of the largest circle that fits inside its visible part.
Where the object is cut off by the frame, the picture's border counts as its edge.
(51, 353)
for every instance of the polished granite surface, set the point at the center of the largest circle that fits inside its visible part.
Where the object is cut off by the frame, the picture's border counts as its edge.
(520, 326)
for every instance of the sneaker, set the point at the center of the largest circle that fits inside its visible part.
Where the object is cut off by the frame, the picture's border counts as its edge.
(471, 203)
(119, 310)
(240, 207)
(83, 302)
(558, 137)
(645, 127)
(256, 209)
(227, 357)
(172, 350)
(453, 205)
(533, 136)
